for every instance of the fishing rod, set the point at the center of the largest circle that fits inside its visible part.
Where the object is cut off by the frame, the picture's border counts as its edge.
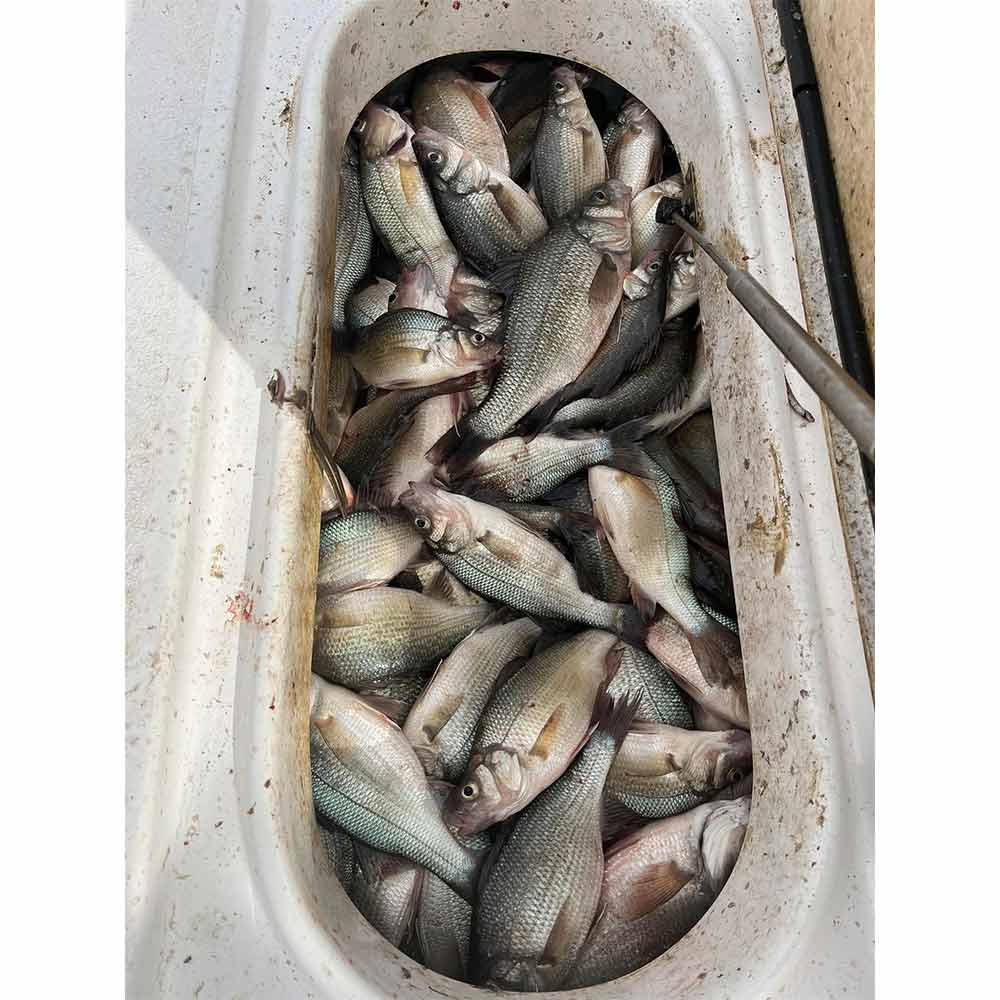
(840, 393)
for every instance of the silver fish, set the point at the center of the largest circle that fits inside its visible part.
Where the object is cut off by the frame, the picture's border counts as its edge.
(501, 558)
(435, 581)
(593, 558)
(634, 333)
(658, 883)
(364, 637)
(341, 391)
(661, 700)
(520, 469)
(702, 506)
(410, 348)
(442, 723)
(542, 884)
(404, 460)
(672, 648)
(640, 519)
(365, 548)
(533, 726)
(488, 217)
(340, 850)
(353, 239)
(647, 233)
(445, 101)
(568, 160)
(368, 302)
(684, 282)
(367, 781)
(373, 426)
(444, 920)
(398, 198)
(664, 770)
(634, 145)
(386, 889)
(521, 142)
(567, 289)
(655, 386)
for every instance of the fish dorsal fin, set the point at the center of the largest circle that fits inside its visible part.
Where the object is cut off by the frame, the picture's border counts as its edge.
(659, 882)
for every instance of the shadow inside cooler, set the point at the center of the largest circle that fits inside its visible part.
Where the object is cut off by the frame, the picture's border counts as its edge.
(675, 804)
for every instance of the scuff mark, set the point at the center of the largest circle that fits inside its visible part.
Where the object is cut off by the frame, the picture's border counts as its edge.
(216, 567)
(773, 535)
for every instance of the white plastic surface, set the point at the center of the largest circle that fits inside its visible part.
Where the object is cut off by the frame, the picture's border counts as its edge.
(237, 110)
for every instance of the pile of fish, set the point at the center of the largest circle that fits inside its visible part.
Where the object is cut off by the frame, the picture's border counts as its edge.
(529, 729)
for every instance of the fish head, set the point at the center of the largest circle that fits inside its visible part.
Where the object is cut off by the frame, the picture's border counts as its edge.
(633, 115)
(466, 350)
(442, 518)
(603, 219)
(640, 280)
(381, 132)
(491, 790)
(683, 270)
(439, 155)
(565, 86)
(448, 164)
(720, 758)
(722, 838)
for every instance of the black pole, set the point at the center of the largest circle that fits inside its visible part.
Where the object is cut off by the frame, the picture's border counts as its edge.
(848, 319)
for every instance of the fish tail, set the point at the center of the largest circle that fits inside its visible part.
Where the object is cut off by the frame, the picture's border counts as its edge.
(630, 626)
(614, 716)
(717, 651)
(626, 452)
(457, 447)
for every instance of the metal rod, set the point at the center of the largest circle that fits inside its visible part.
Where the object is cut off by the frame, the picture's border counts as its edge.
(846, 400)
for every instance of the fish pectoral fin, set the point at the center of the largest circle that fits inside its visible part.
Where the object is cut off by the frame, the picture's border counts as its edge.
(410, 179)
(548, 738)
(606, 286)
(658, 883)
(440, 717)
(507, 202)
(642, 600)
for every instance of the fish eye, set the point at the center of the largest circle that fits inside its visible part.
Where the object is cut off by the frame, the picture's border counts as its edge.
(558, 87)
(655, 266)
(434, 156)
(735, 775)
(421, 523)
(359, 126)
(600, 197)
(478, 339)
(470, 792)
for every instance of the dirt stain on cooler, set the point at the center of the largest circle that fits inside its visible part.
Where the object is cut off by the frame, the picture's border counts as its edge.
(764, 147)
(772, 535)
